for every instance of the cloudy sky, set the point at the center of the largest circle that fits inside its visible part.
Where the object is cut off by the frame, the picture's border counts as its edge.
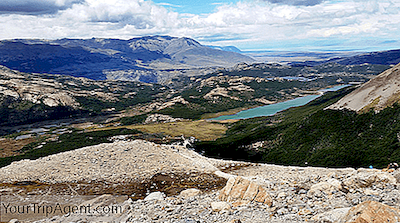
(311, 25)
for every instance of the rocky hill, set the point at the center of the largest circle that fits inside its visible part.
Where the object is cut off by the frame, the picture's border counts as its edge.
(378, 93)
(26, 97)
(155, 180)
(92, 58)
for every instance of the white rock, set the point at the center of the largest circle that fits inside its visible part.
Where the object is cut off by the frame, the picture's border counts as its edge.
(325, 187)
(367, 178)
(281, 195)
(190, 193)
(331, 216)
(219, 206)
(335, 183)
(155, 196)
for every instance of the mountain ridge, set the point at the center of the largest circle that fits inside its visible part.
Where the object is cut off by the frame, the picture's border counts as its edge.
(91, 58)
(386, 57)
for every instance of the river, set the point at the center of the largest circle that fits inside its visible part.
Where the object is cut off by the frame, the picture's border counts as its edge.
(272, 109)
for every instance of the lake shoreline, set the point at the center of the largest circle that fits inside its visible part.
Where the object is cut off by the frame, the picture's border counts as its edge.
(272, 109)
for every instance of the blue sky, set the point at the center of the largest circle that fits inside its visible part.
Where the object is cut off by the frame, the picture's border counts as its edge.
(289, 25)
(193, 6)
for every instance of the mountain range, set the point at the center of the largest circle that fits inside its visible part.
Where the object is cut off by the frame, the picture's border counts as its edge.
(387, 57)
(94, 58)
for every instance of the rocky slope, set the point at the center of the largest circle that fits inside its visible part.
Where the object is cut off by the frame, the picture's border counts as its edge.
(253, 193)
(26, 97)
(378, 93)
(142, 57)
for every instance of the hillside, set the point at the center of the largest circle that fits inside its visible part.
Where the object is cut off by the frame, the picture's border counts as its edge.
(32, 97)
(377, 94)
(312, 135)
(27, 98)
(93, 58)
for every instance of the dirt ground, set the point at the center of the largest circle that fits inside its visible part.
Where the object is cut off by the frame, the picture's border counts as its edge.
(11, 147)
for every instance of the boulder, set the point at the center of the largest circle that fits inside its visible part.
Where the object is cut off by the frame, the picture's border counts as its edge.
(371, 211)
(100, 201)
(155, 196)
(326, 188)
(330, 216)
(220, 206)
(190, 193)
(240, 191)
(366, 178)
(396, 175)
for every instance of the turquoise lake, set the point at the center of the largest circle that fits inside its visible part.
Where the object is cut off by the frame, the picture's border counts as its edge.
(272, 109)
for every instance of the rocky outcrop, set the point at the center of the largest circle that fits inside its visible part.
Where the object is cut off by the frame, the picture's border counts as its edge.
(326, 188)
(368, 211)
(20, 86)
(371, 211)
(160, 118)
(172, 102)
(364, 178)
(240, 191)
(331, 216)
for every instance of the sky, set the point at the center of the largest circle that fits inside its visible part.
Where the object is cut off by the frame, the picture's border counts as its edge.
(276, 25)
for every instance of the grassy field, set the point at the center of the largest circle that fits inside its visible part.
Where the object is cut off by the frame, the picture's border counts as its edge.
(11, 147)
(200, 129)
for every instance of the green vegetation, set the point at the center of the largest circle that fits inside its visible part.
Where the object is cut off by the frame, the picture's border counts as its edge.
(200, 129)
(275, 90)
(309, 135)
(16, 112)
(281, 85)
(195, 111)
(133, 120)
(143, 94)
(340, 138)
(66, 142)
(354, 72)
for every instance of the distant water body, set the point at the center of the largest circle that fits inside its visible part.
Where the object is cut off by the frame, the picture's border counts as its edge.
(272, 109)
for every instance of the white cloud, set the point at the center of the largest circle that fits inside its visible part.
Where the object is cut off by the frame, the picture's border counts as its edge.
(247, 22)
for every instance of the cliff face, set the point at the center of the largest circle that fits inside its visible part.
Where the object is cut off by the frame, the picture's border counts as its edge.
(378, 93)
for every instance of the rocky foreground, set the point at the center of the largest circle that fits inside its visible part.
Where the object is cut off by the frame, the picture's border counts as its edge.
(180, 185)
